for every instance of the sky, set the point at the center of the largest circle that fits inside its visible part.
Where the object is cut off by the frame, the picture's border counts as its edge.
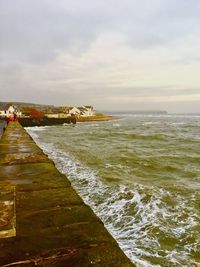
(112, 54)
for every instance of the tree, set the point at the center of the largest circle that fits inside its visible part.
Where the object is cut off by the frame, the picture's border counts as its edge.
(33, 113)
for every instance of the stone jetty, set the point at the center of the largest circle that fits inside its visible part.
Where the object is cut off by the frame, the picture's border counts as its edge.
(43, 221)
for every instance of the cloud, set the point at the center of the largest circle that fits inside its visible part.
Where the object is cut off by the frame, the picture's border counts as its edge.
(156, 99)
(92, 52)
(34, 31)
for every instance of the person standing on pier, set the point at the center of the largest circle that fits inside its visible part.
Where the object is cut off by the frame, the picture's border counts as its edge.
(73, 118)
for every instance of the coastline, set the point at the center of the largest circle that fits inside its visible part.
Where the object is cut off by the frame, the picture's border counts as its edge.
(31, 122)
(98, 118)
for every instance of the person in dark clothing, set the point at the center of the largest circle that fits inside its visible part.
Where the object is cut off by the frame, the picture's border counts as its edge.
(73, 119)
(7, 119)
(15, 117)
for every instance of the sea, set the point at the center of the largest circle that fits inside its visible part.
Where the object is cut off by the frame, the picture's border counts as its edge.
(141, 175)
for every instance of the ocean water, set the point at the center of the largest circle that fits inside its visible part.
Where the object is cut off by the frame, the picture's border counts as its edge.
(141, 176)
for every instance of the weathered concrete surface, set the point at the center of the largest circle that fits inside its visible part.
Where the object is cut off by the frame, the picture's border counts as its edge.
(43, 221)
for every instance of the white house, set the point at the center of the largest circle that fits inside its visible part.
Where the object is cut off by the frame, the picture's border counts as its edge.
(89, 111)
(9, 110)
(82, 111)
(75, 111)
(86, 111)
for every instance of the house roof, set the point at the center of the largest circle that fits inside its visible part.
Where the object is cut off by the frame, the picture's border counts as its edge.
(72, 107)
(6, 107)
(82, 108)
(88, 107)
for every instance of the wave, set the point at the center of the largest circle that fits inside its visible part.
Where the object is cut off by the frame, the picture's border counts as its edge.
(150, 224)
(37, 128)
(151, 123)
(159, 137)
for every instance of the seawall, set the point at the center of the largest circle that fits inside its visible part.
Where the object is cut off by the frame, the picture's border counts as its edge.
(29, 122)
(43, 221)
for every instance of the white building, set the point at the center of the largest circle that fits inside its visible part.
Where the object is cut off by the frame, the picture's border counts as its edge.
(86, 111)
(9, 110)
(82, 111)
(89, 111)
(75, 111)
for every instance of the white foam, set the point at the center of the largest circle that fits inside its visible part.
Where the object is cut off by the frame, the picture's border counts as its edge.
(151, 123)
(37, 128)
(116, 124)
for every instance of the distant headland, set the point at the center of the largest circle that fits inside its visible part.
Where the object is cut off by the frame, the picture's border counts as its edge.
(145, 112)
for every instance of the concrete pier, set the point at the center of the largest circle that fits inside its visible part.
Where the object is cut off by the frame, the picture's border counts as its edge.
(43, 221)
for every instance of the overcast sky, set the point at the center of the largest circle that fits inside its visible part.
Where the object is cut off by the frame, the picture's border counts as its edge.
(112, 54)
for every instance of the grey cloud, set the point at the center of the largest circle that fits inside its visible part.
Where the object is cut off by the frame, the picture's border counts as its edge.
(185, 60)
(158, 91)
(165, 23)
(34, 31)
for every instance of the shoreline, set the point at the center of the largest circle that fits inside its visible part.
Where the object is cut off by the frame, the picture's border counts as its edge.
(32, 122)
(98, 118)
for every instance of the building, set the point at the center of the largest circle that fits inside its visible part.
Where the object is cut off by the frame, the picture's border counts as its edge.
(82, 111)
(89, 111)
(7, 110)
(75, 111)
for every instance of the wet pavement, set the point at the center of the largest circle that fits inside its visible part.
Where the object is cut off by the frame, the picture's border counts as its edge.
(43, 221)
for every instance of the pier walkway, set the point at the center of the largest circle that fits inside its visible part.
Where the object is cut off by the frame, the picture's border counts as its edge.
(43, 221)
